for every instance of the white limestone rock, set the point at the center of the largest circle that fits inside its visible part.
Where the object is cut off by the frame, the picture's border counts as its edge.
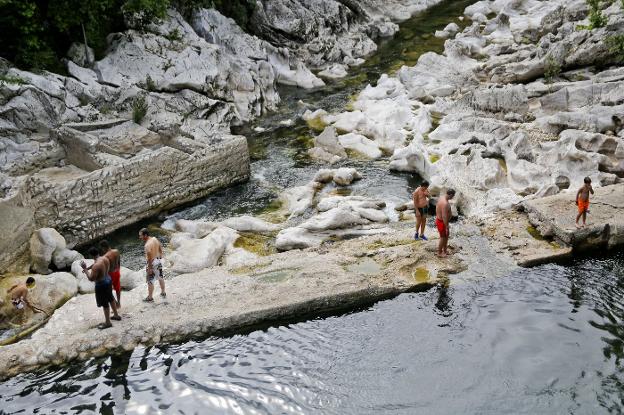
(250, 224)
(361, 145)
(43, 243)
(196, 254)
(197, 228)
(334, 71)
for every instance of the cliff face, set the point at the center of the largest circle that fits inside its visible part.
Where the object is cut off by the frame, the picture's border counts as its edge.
(148, 118)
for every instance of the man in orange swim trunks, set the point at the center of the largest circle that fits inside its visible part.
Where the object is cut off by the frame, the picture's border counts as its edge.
(582, 201)
(443, 217)
(115, 268)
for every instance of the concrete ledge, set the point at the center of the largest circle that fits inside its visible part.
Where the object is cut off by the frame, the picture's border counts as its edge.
(554, 217)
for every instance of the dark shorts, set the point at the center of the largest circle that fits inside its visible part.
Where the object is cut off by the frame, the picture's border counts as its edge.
(104, 293)
(422, 211)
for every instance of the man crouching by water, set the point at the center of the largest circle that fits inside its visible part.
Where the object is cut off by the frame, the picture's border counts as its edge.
(19, 297)
(103, 286)
(443, 217)
(153, 255)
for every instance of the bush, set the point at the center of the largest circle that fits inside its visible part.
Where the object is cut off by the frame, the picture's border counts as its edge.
(139, 108)
(140, 13)
(552, 69)
(616, 46)
(150, 85)
(596, 18)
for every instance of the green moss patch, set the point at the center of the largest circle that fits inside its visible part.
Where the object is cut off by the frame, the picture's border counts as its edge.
(258, 244)
(534, 233)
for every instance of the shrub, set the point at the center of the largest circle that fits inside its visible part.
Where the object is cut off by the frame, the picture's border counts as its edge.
(174, 35)
(596, 18)
(140, 13)
(616, 46)
(139, 108)
(9, 79)
(552, 69)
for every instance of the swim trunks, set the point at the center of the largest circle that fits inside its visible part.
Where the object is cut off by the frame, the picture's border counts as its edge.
(116, 279)
(583, 205)
(441, 228)
(18, 303)
(104, 292)
(422, 211)
(157, 271)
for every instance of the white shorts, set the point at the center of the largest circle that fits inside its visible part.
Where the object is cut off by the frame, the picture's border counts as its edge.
(157, 271)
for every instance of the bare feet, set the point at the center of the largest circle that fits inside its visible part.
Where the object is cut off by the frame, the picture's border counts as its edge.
(441, 255)
(578, 226)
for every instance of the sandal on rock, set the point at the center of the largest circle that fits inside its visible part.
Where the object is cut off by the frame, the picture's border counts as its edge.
(163, 295)
(148, 300)
(104, 326)
(116, 318)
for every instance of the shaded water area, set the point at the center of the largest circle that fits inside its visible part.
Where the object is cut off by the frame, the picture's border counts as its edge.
(546, 340)
(279, 152)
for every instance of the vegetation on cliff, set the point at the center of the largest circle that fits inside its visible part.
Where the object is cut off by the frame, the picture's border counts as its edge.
(37, 33)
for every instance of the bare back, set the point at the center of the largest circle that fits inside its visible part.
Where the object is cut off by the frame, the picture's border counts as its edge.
(19, 291)
(153, 249)
(114, 258)
(443, 210)
(99, 269)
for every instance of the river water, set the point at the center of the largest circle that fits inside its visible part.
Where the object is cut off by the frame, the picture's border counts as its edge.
(545, 340)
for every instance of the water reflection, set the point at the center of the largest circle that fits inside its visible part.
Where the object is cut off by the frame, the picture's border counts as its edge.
(482, 346)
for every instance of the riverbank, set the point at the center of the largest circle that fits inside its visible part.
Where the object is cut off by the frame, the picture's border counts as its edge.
(336, 276)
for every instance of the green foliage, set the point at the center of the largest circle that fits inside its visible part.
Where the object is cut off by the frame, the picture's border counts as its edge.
(616, 46)
(552, 69)
(596, 18)
(37, 33)
(10, 79)
(139, 108)
(174, 35)
(140, 13)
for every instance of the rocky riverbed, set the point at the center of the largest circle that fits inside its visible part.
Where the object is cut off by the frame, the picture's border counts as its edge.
(488, 117)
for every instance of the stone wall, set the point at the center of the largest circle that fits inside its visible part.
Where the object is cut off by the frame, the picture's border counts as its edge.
(83, 205)
(105, 200)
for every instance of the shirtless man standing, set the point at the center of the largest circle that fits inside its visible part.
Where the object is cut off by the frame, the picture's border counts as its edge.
(421, 204)
(19, 297)
(443, 217)
(115, 268)
(103, 286)
(582, 201)
(153, 255)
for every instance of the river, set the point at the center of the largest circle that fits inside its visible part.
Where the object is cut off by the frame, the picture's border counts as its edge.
(543, 340)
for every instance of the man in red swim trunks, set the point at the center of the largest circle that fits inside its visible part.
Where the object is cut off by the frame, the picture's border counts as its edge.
(115, 268)
(443, 217)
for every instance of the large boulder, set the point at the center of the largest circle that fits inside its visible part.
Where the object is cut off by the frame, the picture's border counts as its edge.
(196, 254)
(43, 243)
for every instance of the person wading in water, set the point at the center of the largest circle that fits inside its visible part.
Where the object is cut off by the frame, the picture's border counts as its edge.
(153, 255)
(103, 286)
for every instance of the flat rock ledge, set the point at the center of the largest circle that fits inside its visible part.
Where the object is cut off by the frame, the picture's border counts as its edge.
(222, 300)
(554, 217)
